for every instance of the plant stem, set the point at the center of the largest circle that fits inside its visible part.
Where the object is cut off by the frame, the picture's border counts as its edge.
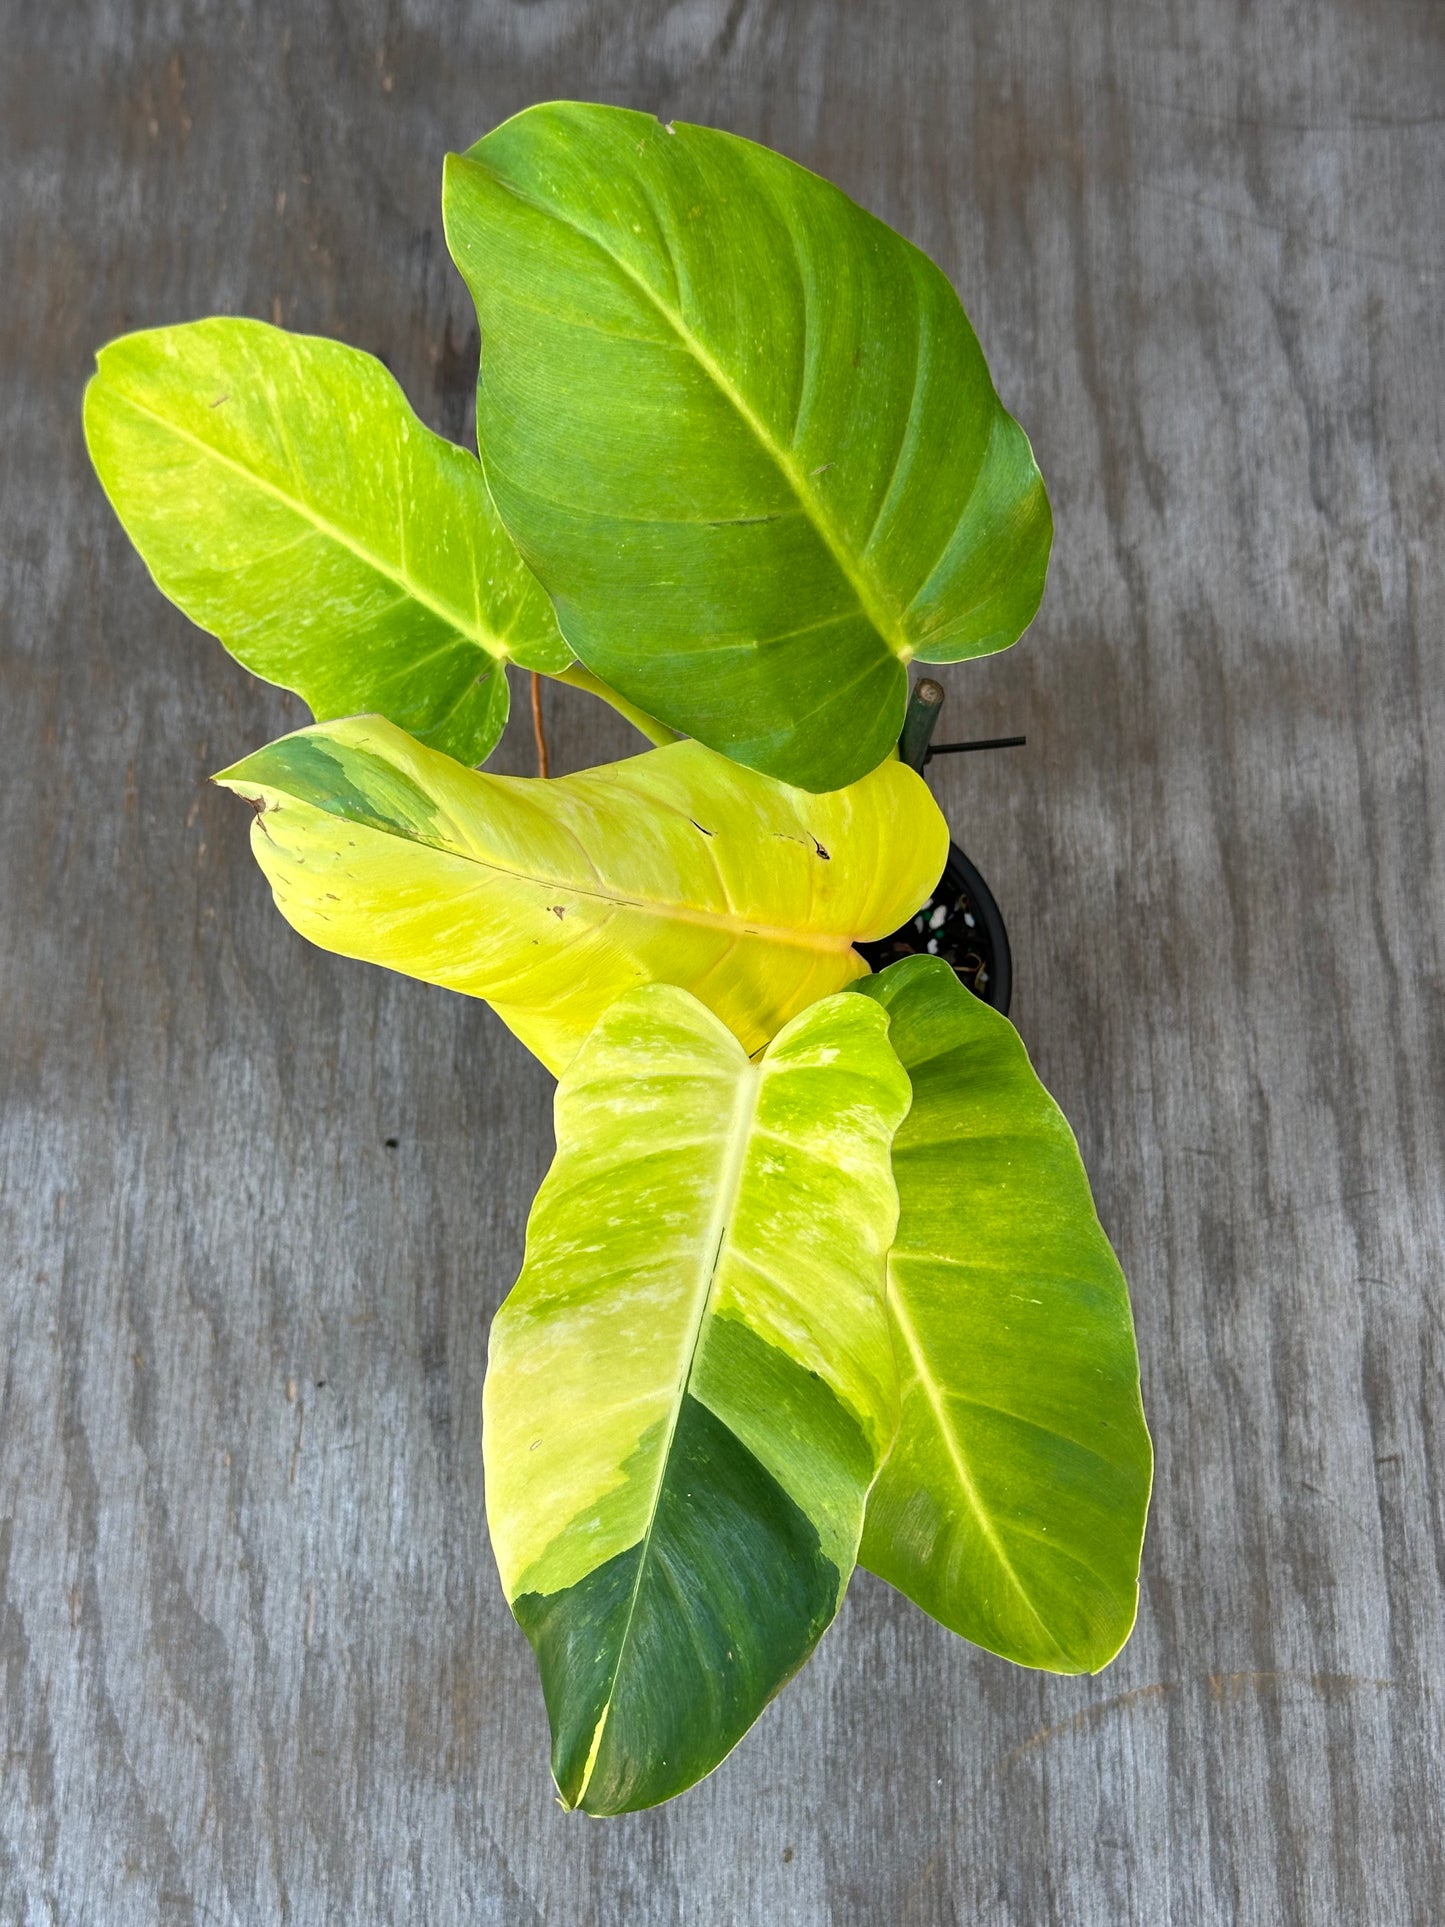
(654, 731)
(537, 729)
(920, 722)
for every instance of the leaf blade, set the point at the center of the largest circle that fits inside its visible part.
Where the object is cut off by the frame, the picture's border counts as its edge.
(676, 1468)
(1012, 1507)
(550, 899)
(700, 427)
(284, 495)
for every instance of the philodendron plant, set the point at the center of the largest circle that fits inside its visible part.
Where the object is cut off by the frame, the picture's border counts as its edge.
(815, 1277)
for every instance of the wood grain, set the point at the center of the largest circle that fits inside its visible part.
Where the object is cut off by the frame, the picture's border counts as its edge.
(258, 1204)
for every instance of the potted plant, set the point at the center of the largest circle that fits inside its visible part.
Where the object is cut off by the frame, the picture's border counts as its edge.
(815, 1276)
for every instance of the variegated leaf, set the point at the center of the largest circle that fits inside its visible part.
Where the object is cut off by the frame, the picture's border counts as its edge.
(1012, 1506)
(282, 492)
(741, 429)
(550, 899)
(691, 1385)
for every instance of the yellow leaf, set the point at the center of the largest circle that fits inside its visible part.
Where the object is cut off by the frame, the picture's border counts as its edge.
(551, 899)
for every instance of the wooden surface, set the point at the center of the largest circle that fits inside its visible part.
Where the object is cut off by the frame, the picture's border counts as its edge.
(258, 1204)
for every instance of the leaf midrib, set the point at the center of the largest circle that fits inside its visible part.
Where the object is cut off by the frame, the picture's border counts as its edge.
(958, 1458)
(739, 1135)
(490, 643)
(869, 602)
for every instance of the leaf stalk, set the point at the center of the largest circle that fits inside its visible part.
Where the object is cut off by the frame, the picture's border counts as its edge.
(651, 728)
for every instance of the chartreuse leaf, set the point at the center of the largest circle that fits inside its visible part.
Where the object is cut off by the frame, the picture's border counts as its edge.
(741, 430)
(550, 899)
(282, 492)
(691, 1385)
(1012, 1506)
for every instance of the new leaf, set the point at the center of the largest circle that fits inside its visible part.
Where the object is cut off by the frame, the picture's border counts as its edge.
(282, 492)
(1012, 1506)
(741, 430)
(691, 1386)
(550, 899)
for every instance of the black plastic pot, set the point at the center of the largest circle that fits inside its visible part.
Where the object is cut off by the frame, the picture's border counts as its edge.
(960, 923)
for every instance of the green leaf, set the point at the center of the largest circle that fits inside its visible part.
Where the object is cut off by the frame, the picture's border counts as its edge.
(282, 492)
(691, 1385)
(1012, 1506)
(550, 899)
(741, 430)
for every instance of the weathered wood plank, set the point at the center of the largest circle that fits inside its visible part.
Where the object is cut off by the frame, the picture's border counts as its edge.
(256, 1663)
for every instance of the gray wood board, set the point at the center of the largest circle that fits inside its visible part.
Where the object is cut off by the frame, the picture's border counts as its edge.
(257, 1666)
